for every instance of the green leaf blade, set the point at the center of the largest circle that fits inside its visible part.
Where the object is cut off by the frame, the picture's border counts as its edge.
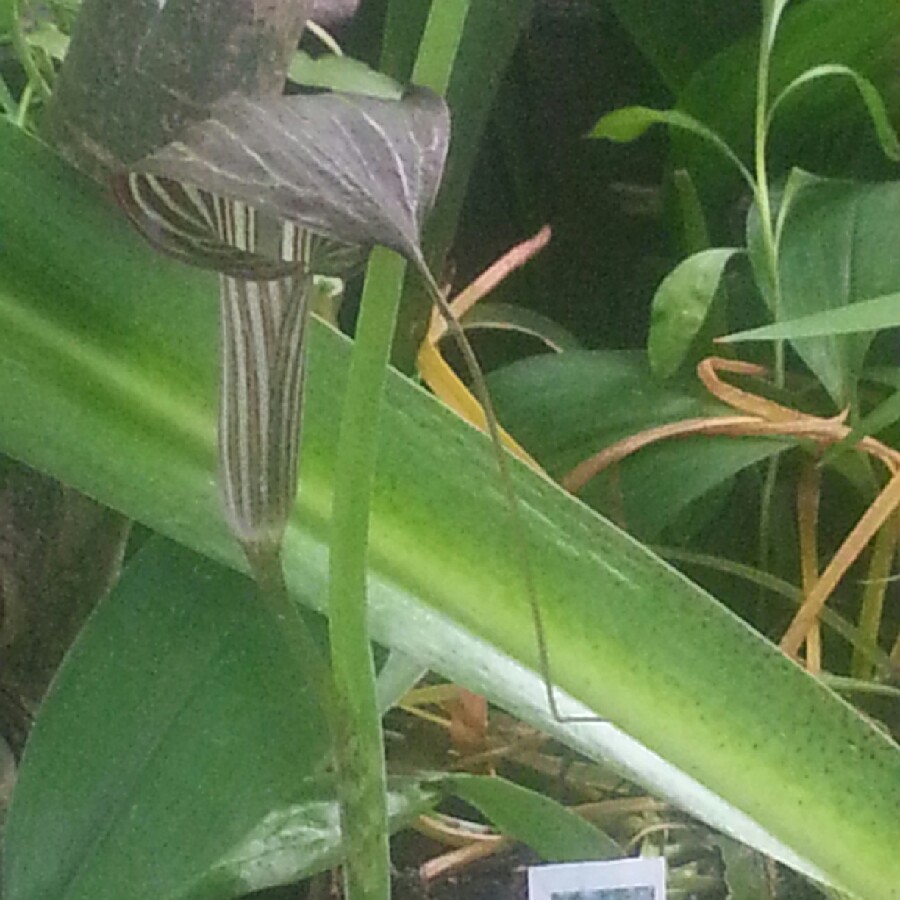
(863, 316)
(869, 94)
(556, 833)
(631, 122)
(180, 652)
(837, 247)
(739, 736)
(681, 305)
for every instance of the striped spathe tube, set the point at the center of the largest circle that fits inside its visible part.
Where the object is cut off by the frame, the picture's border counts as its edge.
(265, 281)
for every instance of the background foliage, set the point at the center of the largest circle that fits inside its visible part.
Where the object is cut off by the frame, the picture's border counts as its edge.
(209, 780)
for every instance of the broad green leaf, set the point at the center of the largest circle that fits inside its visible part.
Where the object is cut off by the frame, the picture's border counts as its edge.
(566, 409)
(863, 316)
(180, 665)
(677, 36)
(554, 832)
(342, 73)
(570, 388)
(359, 170)
(680, 307)
(180, 752)
(887, 137)
(107, 362)
(827, 131)
(837, 248)
(300, 840)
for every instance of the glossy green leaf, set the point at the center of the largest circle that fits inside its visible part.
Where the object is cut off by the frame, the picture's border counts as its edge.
(554, 832)
(107, 369)
(566, 409)
(677, 36)
(823, 129)
(180, 665)
(681, 305)
(184, 745)
(837, 248)
(585, 391)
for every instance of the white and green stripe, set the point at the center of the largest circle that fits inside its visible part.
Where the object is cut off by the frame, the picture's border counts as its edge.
(264, 287)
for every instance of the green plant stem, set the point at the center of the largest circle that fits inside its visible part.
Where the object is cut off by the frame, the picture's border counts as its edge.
(268, 572)
(24, 104)
(771, 14)
(872, 608)
(361, 760)
(843, 685)
(434, 67)
(763, 199)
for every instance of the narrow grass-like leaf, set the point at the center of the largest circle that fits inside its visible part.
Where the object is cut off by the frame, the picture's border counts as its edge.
(866, 315)
(837, 248)
(885, 132)
(631, 122)
(508, 317)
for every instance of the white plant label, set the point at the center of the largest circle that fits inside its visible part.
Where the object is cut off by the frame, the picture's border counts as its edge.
(621, 879)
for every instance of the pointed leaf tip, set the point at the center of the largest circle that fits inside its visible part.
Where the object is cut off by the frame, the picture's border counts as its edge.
(356, 169)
